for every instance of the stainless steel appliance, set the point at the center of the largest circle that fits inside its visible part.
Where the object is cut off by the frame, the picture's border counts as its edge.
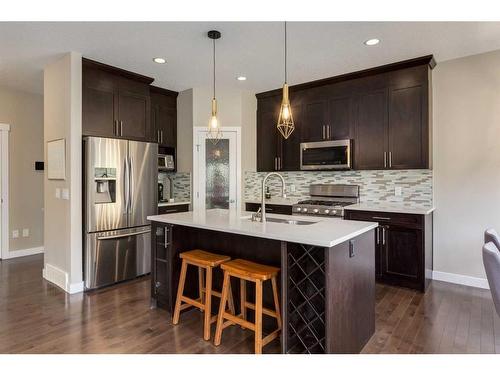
(120, 192)
(166, 162)
(327, 200)
(160, 192)
(325, 155)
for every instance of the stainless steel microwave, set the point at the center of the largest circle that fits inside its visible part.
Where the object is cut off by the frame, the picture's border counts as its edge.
(166, 162)
(325, 155)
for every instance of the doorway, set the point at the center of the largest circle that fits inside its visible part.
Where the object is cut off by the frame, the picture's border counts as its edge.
(217, 169)
(4, 190)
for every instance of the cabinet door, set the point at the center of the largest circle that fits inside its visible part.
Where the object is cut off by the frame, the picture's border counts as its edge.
(133, 114)
(98, 104)
(315, 120)
(166, 123)
(290, 157)
(407, 132)
(371, 130)
(339, 121)
(378, 252)
(402, 253)
(268, 142)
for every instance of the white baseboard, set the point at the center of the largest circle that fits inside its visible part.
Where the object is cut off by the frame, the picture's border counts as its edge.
(24, 252)
(460, 279)
(61, 279)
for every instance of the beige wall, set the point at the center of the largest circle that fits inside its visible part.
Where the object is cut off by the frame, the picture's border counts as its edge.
(185, 131)
(63, 218)
(24, 112)
(466, 111)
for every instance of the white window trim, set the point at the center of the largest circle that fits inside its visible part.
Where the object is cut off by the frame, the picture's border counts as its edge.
(4, 180)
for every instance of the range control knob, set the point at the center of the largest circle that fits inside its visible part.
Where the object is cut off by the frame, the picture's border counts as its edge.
(315, 211)
(298, 209)
(333, 212)
(327, 212)
(304, 209)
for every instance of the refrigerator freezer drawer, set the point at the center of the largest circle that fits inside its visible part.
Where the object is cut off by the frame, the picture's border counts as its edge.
(116, 256)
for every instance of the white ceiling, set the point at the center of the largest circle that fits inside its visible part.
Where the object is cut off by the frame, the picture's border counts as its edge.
(254, 49)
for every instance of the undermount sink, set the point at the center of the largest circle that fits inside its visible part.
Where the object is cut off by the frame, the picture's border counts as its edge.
(289, 221)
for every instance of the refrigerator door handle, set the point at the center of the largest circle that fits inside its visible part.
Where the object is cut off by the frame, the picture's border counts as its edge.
(131, 184)
(126, 186)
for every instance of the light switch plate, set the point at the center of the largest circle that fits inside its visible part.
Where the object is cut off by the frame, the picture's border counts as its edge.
(15, 234)
(292, 188)
(58, 193)
(26, 232)
(398, 191)
(65, 194)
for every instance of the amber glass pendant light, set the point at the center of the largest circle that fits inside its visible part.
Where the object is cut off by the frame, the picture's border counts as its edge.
(285, 120)
(214, 132)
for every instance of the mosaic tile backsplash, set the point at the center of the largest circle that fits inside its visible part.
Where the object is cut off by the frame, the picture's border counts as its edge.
(181, 189)
(375, 186)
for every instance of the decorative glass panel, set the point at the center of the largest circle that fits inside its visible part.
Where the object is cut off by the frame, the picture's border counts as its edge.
(217, 175)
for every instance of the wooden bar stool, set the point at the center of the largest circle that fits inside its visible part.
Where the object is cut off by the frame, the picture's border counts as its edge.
(205, 261)
(256, 273)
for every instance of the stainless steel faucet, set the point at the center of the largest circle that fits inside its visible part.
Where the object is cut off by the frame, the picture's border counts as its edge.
(263, 205)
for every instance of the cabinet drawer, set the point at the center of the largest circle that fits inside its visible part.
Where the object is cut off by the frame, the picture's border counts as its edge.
(412, 220)
(270, 208)
(173, 209)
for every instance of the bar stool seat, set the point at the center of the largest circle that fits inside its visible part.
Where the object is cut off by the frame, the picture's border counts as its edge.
(205, 261)
(257, 273)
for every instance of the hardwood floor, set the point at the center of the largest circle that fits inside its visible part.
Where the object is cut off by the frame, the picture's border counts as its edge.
(37, 317)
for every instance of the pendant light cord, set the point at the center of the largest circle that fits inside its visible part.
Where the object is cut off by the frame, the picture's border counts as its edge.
(285, 54)
(214, 68)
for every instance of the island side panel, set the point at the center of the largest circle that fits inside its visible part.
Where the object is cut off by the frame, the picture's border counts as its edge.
(350, 294)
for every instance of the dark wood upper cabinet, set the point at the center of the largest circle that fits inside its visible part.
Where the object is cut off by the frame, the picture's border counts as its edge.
(115, 102)
(371, 131)
(164, 116)
(384, 111)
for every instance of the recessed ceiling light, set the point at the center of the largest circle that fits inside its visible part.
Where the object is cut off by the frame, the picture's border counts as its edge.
(159, 60)
(372, 42)
(241, 78)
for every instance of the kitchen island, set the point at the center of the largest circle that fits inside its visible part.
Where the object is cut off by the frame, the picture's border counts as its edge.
(327, 280)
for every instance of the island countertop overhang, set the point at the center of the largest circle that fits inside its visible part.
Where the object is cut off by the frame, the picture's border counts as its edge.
(325, 232)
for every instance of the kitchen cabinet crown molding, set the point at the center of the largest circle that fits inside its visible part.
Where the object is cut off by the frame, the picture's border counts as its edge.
(429, 60)
(161, 90)
(121, 72)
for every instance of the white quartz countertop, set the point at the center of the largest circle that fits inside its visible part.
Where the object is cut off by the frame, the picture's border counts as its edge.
(390, 207)
(275, 200)
(325, 232)
(176, 203)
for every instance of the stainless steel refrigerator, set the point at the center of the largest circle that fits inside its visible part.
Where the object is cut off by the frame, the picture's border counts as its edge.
(120, 187)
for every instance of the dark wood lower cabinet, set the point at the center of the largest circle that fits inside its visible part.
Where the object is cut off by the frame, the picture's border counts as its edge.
(162, 210)
(270, 208)
(403, 247)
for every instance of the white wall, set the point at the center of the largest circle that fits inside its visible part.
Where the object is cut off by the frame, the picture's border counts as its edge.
(63, 218)
(466, 121)
(24, 112)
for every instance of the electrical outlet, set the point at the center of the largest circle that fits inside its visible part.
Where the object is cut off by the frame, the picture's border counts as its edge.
(65, 194)
(398, 191)
(58, 193)
(26, 232)
(15, 233)
(292, 188)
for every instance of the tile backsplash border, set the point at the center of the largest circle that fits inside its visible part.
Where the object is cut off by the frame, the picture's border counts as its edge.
(375, 186)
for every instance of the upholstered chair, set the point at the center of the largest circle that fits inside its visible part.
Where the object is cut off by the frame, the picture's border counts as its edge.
(491, 261)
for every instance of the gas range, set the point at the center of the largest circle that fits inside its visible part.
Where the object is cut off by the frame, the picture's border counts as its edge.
(327, 200)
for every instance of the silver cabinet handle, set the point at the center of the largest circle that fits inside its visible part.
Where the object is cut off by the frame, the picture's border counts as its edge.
(161, 132)
(121, 128)
(328, 131)
(115, 127)
(158, 136)
(279, 163)
(165, 233)
(377, 235)
(381, 218)
(324, 132)
(275, 163)
(385, 159)
(383, 235)
(390, 159)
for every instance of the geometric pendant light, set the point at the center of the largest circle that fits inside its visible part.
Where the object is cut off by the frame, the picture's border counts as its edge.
(285, 120)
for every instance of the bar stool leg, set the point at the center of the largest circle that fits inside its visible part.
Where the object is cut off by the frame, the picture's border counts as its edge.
(276, 301)
(208, 303)
(243, 299)
(230, 300)
(258, 317)
(222, 308)
(180, 291)
(200, 284)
